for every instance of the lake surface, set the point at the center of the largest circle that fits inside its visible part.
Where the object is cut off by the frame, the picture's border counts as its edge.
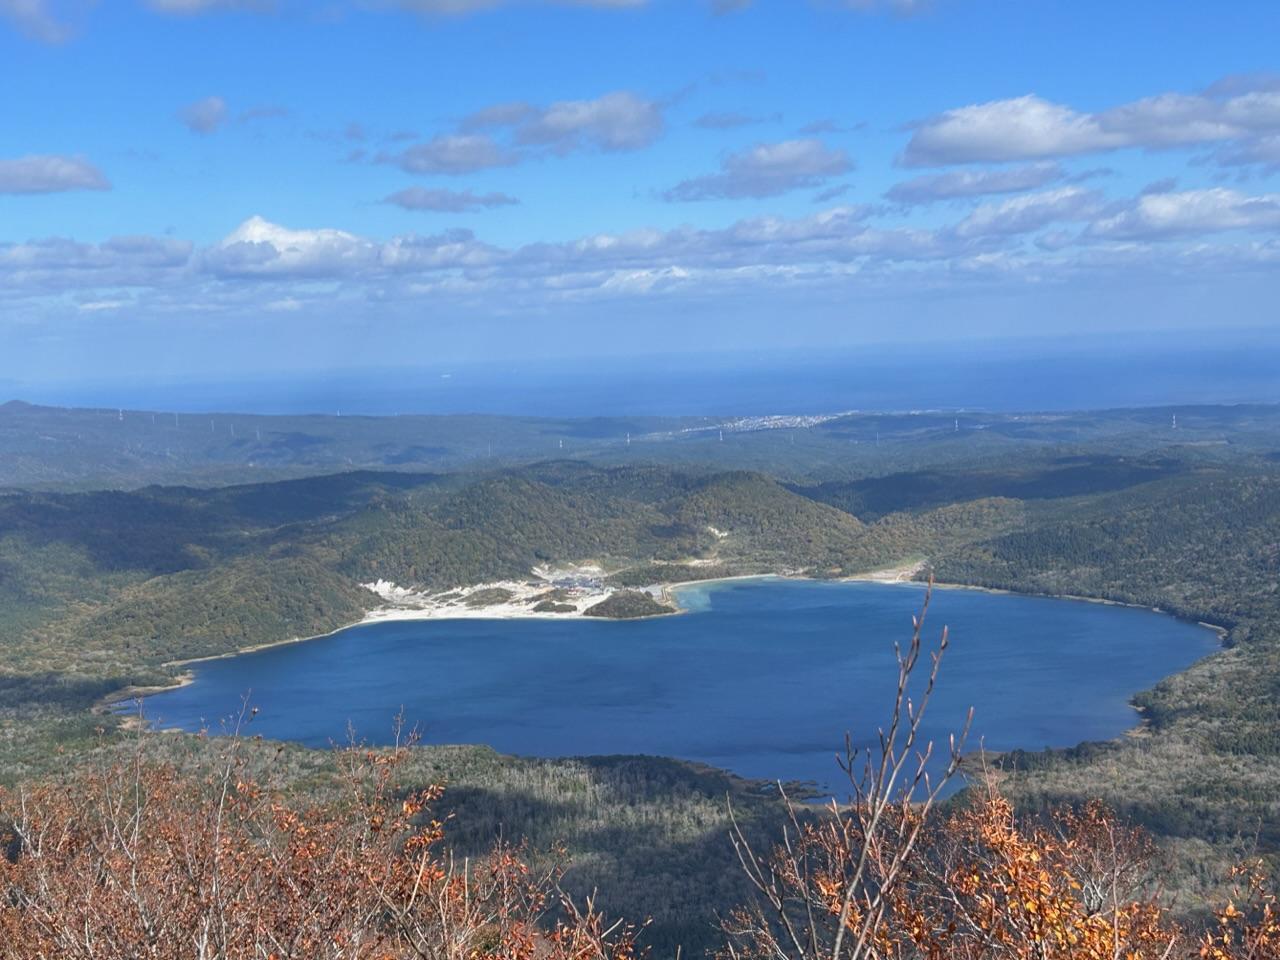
(762, 677)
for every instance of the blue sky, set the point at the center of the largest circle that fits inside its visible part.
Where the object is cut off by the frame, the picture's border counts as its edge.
(217, 188)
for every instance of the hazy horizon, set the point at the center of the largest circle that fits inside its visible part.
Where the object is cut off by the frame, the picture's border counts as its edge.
(1005, 375)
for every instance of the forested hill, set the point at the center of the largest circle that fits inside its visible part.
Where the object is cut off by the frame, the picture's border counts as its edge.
(77, 448)
(81, 449)
(106, 587)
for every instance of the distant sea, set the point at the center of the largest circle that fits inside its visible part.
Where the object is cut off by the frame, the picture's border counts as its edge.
(997, 376)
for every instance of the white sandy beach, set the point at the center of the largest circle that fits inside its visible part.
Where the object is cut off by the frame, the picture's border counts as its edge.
(578, 586)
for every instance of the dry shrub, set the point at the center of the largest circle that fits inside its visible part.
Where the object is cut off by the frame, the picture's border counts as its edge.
(136, 860)
(1248, 926)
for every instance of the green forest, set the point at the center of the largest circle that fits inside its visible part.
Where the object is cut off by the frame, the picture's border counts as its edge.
(112, 574)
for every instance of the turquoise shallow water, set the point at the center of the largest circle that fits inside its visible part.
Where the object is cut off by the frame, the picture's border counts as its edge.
(761, 677)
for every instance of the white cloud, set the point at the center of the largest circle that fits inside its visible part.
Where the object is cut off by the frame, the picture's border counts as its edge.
(1190, 212)
(615, 121)
(831, 193)
(47, 173)
(1018, 129)
(447, 251)
(260, 248)
(263, 266)
(1030, 212)
(506, 133)
(1029, 127)
(498, 115)
(974, 183)
(455, 153)
(204, 116)
(98, 306)
(766, 170)
(1263, 152)
(1169, 120)
(1235, 83)
(40, 267)
(447, 201)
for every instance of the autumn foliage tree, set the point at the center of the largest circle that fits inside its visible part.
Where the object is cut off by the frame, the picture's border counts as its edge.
(1248, 926)
(139, 861)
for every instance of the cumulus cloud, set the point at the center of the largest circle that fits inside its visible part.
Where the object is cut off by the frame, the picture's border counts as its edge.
(1029, 127)
(1264, 152)
(260, 248)
(47, 173)
(454, 154)
(506, 133)
(204, 116)
(1164, 185)
(58, 264)
(1018, 129)
(974, 183)
(290, 262)
(498, 115)
(766, 170)
(1236, 83)
(615, 121)
(1190, 212)
(829, 194)
(1031, 212)
(262, 265)
(60, 252)
(448, 201)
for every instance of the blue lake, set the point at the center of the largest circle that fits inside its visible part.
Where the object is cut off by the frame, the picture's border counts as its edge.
(761, 677)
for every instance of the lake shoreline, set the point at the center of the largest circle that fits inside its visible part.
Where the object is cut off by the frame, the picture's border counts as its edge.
(904, 574)
(751, 599)
(407, 614)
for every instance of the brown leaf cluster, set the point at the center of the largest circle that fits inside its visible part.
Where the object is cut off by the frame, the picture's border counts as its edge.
(138, 861)
(982, 885)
